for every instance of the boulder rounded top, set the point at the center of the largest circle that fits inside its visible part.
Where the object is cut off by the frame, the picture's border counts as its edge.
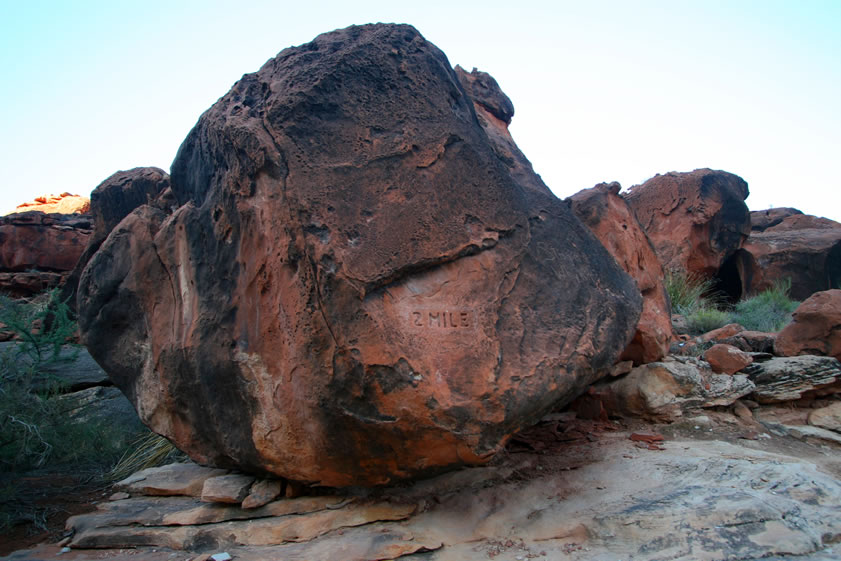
(696, 220)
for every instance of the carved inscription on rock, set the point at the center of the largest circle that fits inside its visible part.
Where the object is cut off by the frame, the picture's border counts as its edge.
(443, 319)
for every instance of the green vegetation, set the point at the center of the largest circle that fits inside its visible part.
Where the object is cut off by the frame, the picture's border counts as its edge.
(769, 310)
(688, 293)
(706, 319)
(695, 298)
(148, 450)
(36, 433)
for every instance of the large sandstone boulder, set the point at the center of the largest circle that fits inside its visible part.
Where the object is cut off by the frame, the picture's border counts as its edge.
(800, 248)
(354, 288)
(695, 220)
(110, 202)
(608, 216)
(815, 328)
(37, 249)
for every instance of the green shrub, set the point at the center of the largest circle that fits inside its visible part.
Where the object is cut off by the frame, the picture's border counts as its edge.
(148, 450)
(688, 293)
(34, 429)
(769, 310)
(707, 319)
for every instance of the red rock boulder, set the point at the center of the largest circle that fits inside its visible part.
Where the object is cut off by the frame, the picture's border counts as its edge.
(608, 216)
(727, 359)
(800, 248)
(354, 288)
(815, 328)
(695, 220)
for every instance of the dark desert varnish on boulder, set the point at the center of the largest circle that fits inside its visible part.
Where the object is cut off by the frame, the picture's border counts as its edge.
(268, 323)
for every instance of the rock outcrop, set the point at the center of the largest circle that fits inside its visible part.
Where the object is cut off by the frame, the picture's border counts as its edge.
(695, 220)
(761, 220)
(815, 327)
(65, 203)
(613, 222)
(791, 378)
(354, 287)
(670, 390)
(37, 250)
(110, 202)
(799, 248)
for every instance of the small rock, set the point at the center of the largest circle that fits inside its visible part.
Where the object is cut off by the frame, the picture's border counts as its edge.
(173, 479)
(231, 488)
(621, 368)
(728, 330)
(263, 492)
(742, 411)
(814, 329)
(827, 417)
(119, 496)
(700, 420)
(727, 359)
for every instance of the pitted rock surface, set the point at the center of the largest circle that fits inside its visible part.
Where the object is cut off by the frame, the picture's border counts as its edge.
(354, 288)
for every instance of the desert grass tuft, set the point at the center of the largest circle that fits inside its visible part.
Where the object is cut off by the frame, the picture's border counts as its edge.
(149, 450)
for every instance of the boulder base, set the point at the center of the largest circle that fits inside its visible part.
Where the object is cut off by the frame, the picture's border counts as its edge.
(354, 287)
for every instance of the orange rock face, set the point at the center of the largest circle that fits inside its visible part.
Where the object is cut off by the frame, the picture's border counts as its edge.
(354, 287)
(608, 216)
(695, 220)
(814, 328)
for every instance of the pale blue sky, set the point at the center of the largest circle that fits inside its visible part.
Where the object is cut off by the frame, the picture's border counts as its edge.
(603, 90)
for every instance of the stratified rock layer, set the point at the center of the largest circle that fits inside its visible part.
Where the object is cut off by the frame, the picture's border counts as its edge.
(37, 250)
(695, 220)
(613, 222)
(354, 287)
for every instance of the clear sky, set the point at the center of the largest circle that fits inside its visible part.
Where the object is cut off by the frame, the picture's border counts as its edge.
(603, 90)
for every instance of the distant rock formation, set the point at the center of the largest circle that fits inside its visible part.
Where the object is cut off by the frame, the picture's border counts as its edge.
(64, 203)
(356, 286)
(795, 247)
(37, 250)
